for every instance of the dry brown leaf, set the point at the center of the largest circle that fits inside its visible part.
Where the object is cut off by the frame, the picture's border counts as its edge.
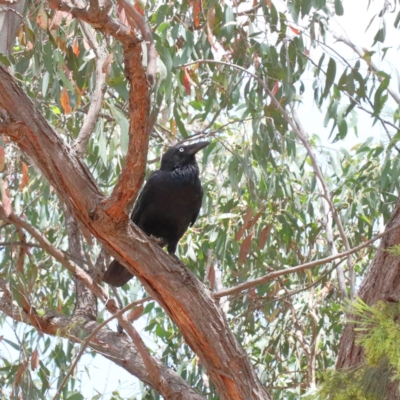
(5, 199)
(275, 88)
(186, 82)
(21, 369)
(264, 236)
(173, 127)
(295, 30)
(245, 248)
(64, 99)
(134, 314)
(2, 158)
(25, 176)
(139, 6)
(62, 44)
(196, 4)
(246, 219)
(35, 360)
(75, 47)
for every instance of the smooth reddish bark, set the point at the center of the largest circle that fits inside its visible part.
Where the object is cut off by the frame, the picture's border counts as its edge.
(382, 282)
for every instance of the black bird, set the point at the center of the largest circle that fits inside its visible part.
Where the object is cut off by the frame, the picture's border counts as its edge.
(169, 202)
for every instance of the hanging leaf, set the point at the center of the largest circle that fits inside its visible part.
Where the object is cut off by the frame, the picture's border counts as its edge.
(173, 127)
(64, 99)
(246, 219)
(264, 236)
(245, 248)
(20, 371)
(35, 359)
(330, 77)
(186, 82)
(294, 30)
(75, 47)
(339, 7)
(25, 176)
(196, 4)
(275, 88)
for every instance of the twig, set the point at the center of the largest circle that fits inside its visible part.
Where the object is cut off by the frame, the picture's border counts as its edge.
(362, 54)
(88, 339)
(329, 208)
(97, 97)
(302, 267)
(85, 300)
(38, 246)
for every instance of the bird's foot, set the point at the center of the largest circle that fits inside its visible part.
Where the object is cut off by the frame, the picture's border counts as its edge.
(159, 241)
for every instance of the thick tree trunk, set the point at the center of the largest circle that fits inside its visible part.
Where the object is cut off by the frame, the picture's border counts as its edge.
(382, 282)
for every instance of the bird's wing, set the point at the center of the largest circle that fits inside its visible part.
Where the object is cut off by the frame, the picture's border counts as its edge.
(143, 199)
(197, 209)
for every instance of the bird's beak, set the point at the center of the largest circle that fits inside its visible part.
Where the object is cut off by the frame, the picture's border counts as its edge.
(195, 147)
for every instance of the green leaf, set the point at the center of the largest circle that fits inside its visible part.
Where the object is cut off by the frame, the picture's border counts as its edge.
(124, 127)
(330, 77)
(380, 35)
(339, 7)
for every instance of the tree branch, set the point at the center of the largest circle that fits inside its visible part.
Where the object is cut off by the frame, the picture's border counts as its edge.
(97, 97)
(85, 302)
(144, 29)
(273, 275)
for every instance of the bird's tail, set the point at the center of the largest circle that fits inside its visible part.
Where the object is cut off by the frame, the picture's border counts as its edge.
(116, 274)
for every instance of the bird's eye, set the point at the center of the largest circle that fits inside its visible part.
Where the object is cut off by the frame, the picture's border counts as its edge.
(181, 149)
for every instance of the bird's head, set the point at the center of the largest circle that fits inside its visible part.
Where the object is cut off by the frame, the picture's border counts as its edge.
(179, 155)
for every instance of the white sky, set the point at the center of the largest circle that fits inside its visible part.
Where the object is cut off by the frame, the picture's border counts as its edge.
(105, 376)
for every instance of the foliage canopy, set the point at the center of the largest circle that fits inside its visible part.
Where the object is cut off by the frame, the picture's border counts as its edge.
(275, 196)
